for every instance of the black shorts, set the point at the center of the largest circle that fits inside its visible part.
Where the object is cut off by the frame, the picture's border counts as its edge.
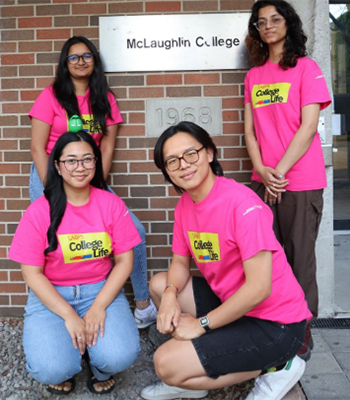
(247, 344)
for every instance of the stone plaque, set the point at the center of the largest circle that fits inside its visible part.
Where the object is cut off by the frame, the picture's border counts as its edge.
(163, 113)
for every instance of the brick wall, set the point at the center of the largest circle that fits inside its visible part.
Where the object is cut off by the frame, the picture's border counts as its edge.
(32, 34)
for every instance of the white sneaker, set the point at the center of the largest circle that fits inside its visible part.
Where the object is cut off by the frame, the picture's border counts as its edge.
(161, 391)
(275, 385)
(147, 316)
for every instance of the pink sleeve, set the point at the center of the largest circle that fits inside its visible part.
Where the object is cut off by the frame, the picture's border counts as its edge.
(247, 95)
(115, 113)
(313, 86)
(253, 228)
(42, 108)
(180, 243)
(29, 242)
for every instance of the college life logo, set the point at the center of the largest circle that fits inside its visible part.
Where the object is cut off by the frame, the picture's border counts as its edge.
(77, 247)
(205, 246)
(266, 95)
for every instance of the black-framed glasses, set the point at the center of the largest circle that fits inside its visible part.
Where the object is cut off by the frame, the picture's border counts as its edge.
(190, 157)
(74, 58)
(71, 164)
(262, 23)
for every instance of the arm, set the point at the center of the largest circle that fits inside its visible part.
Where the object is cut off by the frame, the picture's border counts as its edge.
(96, 315)
(268, 175)
(39, 137)
(107, 146)
(48, 295)
(257, 287)
(169, 310)
(302, 139)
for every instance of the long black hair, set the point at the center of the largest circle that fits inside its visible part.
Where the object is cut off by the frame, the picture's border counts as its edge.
(54, 190)
(64, 88)
(200, 134)
(294, 45)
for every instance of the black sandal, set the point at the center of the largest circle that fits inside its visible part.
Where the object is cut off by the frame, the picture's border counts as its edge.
(63, 392)
(92, 380)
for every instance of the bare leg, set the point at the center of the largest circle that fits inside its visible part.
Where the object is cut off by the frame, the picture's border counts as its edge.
(177, 364)
(142, 304)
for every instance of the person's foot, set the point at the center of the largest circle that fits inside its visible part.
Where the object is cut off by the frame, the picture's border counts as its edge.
(275, 385)
(146, 317)
(308, 344)
(63, 388)
(100, 387)
(162, 391)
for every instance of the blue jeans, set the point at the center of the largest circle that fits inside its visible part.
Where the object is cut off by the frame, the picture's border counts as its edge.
(51, 357)
(139, 273)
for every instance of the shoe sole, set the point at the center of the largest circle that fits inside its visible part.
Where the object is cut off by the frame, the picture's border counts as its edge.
(144, 325)
(183, 395)
(295, 380)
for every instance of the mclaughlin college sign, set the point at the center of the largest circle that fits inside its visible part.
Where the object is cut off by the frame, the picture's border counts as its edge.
(174, 42)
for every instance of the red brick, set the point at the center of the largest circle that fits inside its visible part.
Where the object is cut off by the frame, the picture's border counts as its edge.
(163, 6)
(230, 165)
(235, 5)
(143, 93)
(231, 115)
(22, 11)
(9, 169)
(3, 276)
(16, 59)
(53, 10)
(15, 156)
(9, 120)
(17, 35)
(246, 165)
(236, 153)
(125, 7)
(134, 105)
(202, 79)
(16, 180)
(52, 33)
(30, 95)
(4, 300)
(7, 47)
(8, 23)
(136, 118)
(9, 193)
(38, 22)
(8, 96)
(35, 46)
(8, 71)
(70, 1)
(16, 276)
(163, 203)
(11, 108)
(131, 130)
(88, 32)
(44, 82)
(3, 252)
(200, 6)
(71, 21)
(89, 9)
(18, 204)
(18, 83)
(194, 91)
(12, 288)
(237, 127)
(230, 90)
(16, 132)
(234, 102)
(161, 251)
(144, 166)
(19, 300)
(166, 79)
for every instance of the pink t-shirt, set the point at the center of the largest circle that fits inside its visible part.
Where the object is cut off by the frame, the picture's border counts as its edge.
(87, 236)
(277, 97)
(228, 227)
(49, 110)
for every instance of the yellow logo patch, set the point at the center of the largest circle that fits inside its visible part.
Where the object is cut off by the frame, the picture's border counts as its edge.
(266, 95)
(205, 246)
(78, 247)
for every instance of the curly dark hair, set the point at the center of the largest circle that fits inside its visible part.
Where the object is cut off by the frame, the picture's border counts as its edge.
(200, 134)
(294, 45)
(54, 191)
(64, 88)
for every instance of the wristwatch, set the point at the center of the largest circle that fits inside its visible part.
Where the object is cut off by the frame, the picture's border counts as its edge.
(204, 323)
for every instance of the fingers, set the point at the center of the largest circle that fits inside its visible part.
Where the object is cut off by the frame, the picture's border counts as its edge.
(79, 342)
(92, 335)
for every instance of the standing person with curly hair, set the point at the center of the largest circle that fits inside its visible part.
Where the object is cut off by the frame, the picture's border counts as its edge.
(81, 99)
(284, 94)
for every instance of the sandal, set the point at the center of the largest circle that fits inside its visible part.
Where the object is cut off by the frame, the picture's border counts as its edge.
(63, 392)
(92, 380)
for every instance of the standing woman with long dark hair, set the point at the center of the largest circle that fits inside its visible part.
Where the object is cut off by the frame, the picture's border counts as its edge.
(76, 304)
(81, 99)
(284, 94)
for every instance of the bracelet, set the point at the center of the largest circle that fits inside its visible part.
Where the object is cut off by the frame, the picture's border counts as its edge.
(174, 286)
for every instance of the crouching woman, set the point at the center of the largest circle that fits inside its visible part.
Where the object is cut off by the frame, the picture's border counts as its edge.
(76, 304)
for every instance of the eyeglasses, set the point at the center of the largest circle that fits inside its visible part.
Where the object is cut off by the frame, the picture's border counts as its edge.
(74, 58)
(71, 164)
(190, 157)
(262, 24)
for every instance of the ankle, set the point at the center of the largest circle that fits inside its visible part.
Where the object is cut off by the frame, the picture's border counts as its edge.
(142, 304)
